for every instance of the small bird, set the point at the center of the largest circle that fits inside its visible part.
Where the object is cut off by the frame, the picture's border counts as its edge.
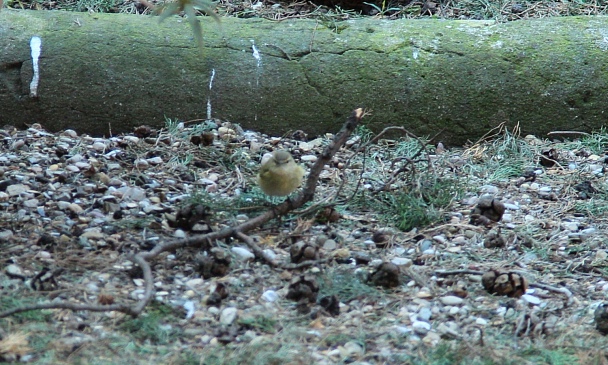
(280, 175)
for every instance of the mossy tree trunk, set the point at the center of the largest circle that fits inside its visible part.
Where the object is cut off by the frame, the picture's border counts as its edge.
(102, 71)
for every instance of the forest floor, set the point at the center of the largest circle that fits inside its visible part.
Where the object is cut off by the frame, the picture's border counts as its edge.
(396, 276)
(74, 208)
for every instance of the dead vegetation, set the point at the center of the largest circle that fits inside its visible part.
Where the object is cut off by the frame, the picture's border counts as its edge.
(337, 10)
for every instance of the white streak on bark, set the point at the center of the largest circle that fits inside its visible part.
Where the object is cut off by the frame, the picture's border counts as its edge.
(35, 45)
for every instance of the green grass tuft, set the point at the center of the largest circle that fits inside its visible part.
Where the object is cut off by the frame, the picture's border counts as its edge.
(346, 286)
(149, 326)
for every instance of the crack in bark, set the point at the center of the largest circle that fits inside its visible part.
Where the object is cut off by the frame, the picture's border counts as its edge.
(436, 51)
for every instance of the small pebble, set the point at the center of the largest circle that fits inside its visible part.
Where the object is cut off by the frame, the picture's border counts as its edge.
(270, 296)
(402, 261)
(228, 316)
(243, 253)
(352, 349)
(309, 158)
(451, 300)
(531, 299)
(481, 321)
(424, 314)
(420, 327)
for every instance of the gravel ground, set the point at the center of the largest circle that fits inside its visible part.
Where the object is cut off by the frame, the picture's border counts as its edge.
(74, 208)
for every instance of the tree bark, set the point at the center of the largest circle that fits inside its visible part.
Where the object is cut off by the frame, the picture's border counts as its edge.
(102, 73)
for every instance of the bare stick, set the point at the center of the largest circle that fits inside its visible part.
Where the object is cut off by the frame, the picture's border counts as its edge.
(576, 133)
(257, 251)
(305, 264)
(123, 308)
(457, 272)
(562, 290)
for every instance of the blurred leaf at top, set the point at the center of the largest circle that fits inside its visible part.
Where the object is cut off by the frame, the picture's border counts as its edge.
(189, 7)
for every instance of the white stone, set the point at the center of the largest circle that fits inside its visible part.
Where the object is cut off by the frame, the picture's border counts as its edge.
(75, 208)
(243, 253)
(352, 349)
(14, 270)
(402, 261)
(134, 193)
(31, 203)
(99, 146)
(190, 308)
(531, 299)
(570, 226)
(92, 287)
(270, 296)
(193, 283)
(155, 160)
(588, 231)
(421, 328)
(138, 282)
(481, 321)
(424, 314)
(141, 163)
(94, 233)
(70, 133)
(451, 300)
(228, 316)
(16, 189)
(440, 239)
(131, 139)
(270, 254)
(76, 158)
(309, 158)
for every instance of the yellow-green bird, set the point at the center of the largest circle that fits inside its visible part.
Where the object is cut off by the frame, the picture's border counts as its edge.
(280, 175)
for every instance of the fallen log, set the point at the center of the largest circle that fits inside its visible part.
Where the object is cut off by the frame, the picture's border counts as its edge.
(107, 73)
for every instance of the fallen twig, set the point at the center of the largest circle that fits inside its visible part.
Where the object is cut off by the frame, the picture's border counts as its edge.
(257, 251)
(458, 272)
(307, 263)
(124, 308)
(561, 290)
